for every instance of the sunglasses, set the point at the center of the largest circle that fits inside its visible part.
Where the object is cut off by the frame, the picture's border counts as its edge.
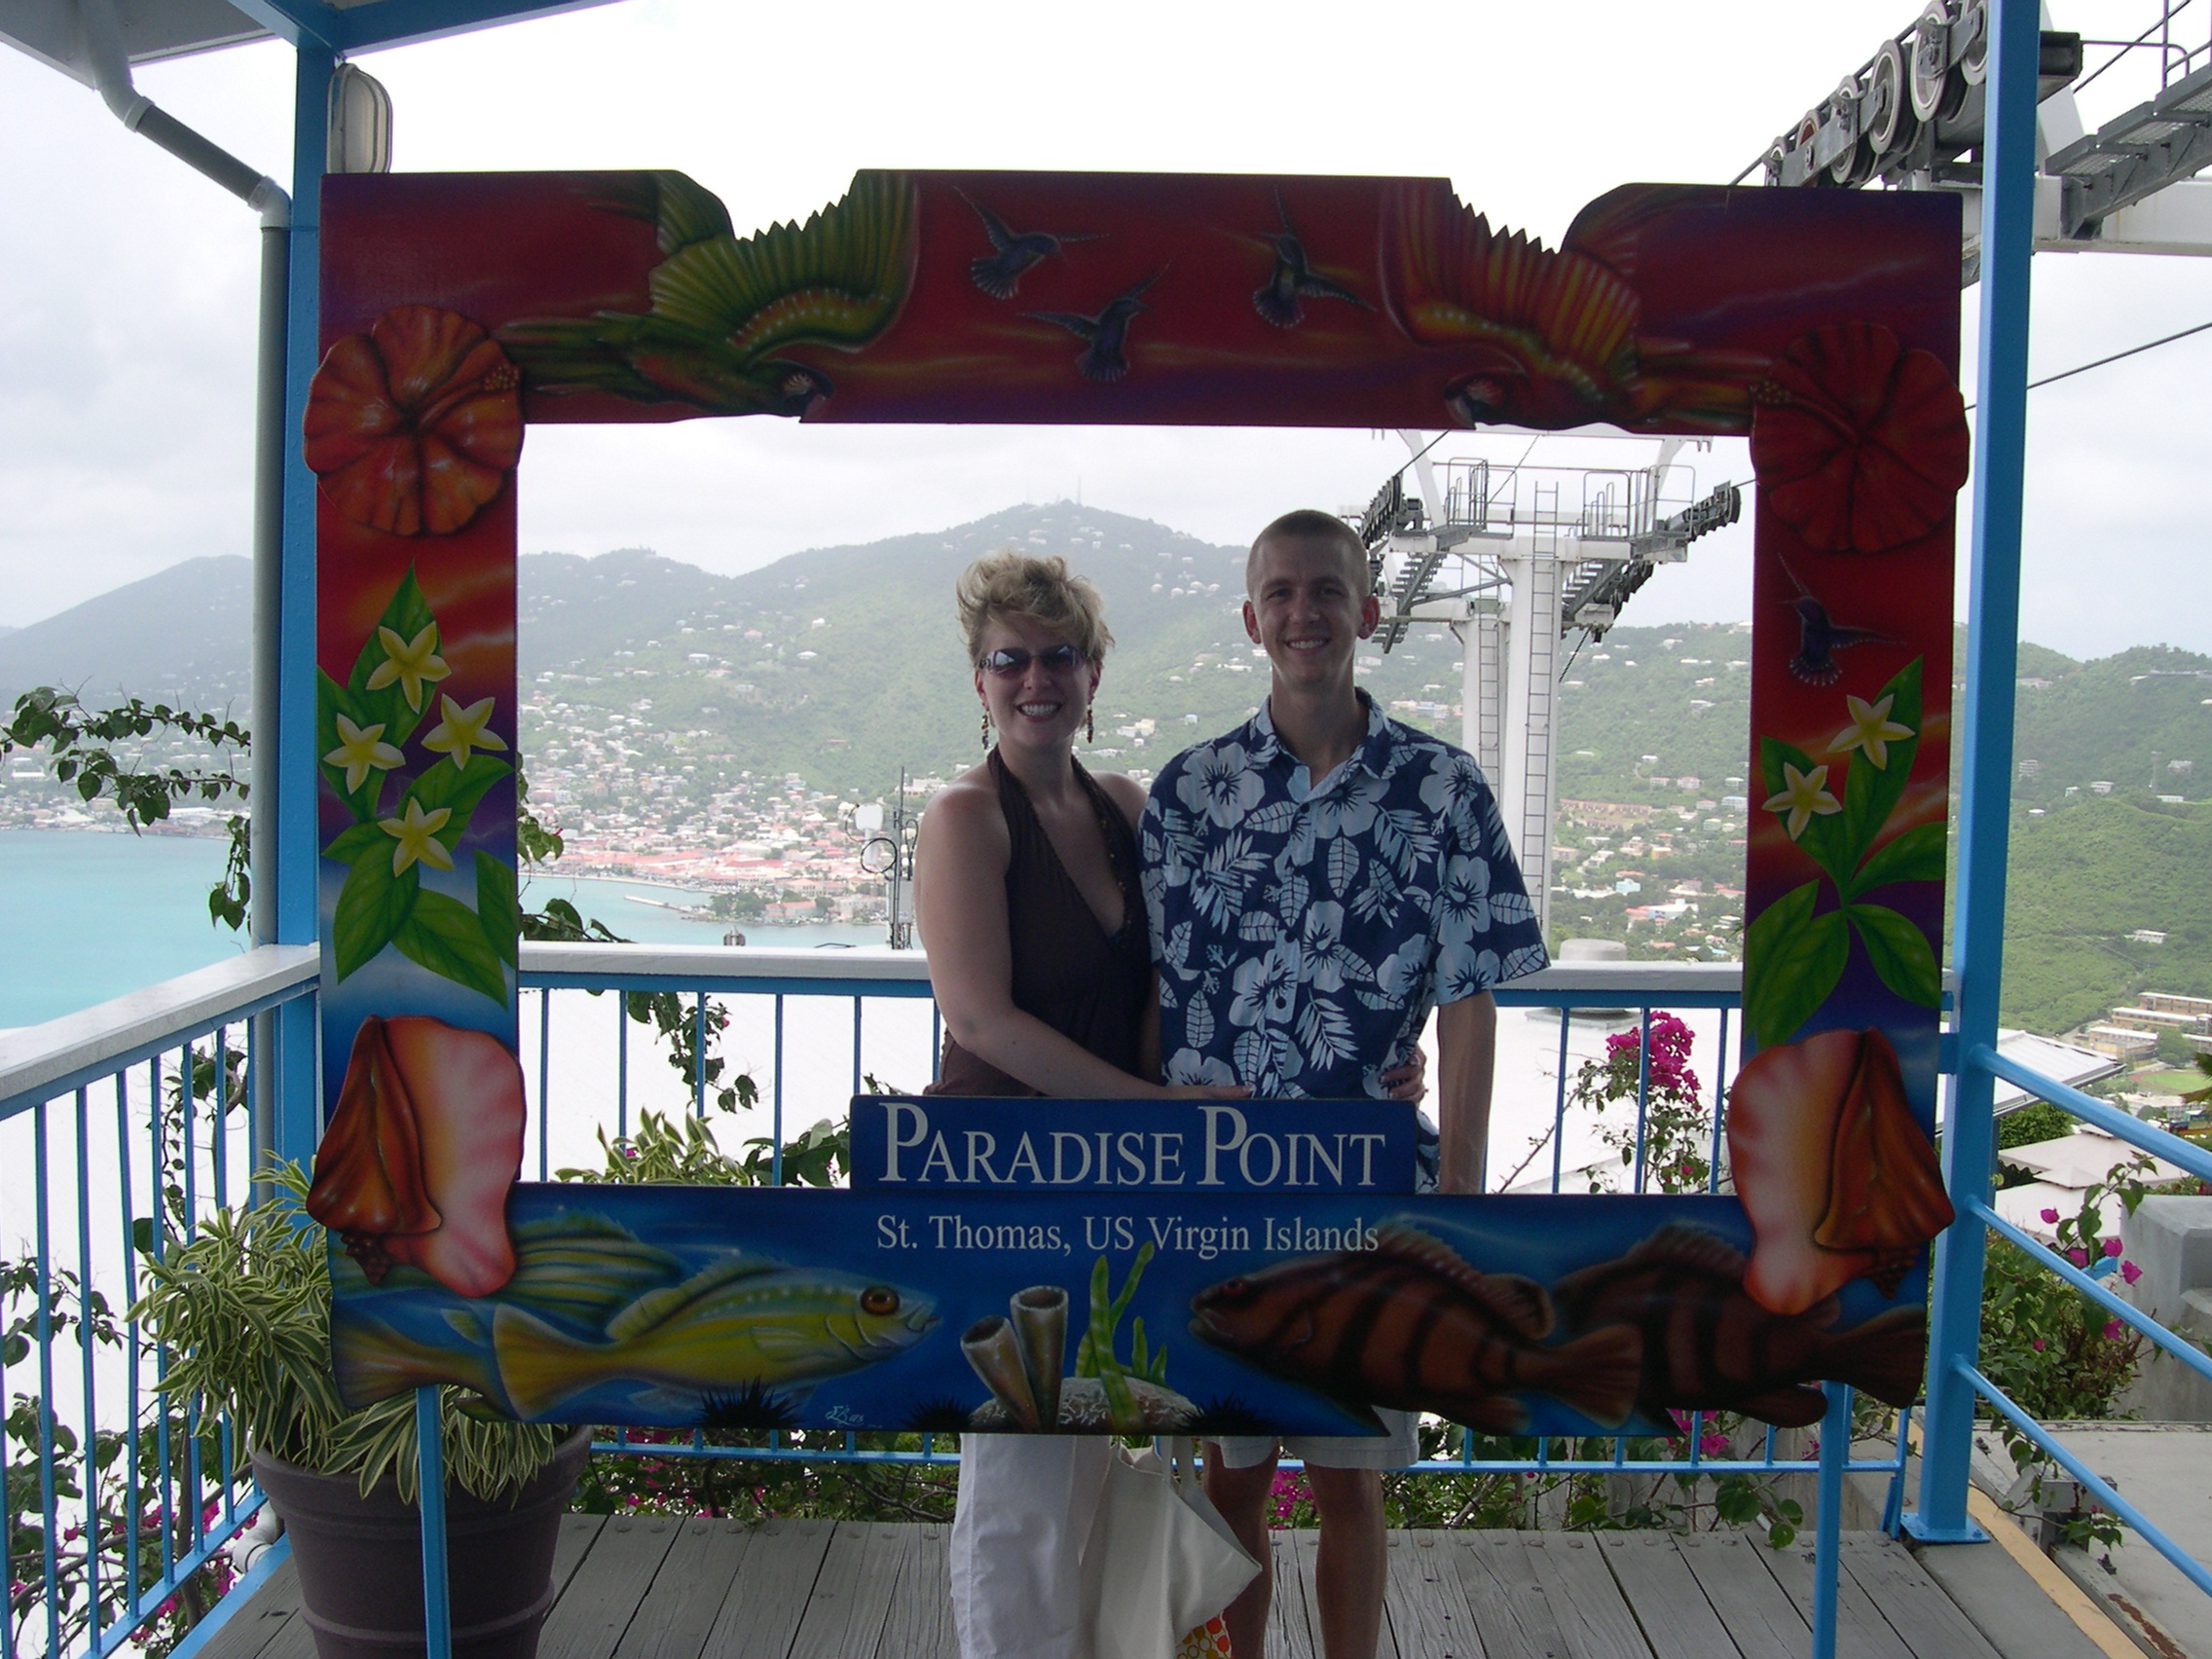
(1007, 663)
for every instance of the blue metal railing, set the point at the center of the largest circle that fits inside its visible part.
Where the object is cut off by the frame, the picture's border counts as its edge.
(120, 1135)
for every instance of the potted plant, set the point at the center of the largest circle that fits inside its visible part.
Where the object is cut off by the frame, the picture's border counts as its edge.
(243, 1311)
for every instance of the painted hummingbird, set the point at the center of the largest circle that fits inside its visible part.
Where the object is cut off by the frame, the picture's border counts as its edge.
(1013, 252)
(1106, 358)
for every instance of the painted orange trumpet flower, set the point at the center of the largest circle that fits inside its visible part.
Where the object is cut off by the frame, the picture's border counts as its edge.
(420, 1154)
(1836, 1176)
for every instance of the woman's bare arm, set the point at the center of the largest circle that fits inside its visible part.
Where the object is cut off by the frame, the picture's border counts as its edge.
(960, 862)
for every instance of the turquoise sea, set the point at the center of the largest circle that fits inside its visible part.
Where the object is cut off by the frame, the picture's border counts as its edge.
(88, 917)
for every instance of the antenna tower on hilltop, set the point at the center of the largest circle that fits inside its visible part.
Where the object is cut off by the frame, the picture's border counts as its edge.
(1514, 560)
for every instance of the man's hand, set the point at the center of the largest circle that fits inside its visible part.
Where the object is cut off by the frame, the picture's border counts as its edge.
(1466, 1049)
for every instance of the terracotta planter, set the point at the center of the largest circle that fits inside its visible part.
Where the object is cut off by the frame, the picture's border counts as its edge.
(360, 1560)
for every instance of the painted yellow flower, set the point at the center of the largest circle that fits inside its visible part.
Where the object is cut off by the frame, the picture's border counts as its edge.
(418, 837)
(360, 749)
(410, 662)
(1803, 795)
(1870, 729)
(462, 729)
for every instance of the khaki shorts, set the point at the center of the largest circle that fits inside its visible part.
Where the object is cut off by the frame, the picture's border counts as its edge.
(1392, 1451)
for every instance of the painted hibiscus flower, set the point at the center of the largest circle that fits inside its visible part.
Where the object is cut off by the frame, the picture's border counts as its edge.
(1859, 443)
(415, 425)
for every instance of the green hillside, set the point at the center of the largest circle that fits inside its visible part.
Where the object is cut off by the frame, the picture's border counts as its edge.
(2081, 882)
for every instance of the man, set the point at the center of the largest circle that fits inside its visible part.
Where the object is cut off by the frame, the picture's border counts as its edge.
(1318, 879)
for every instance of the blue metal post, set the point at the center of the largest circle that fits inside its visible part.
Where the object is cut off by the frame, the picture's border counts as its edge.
(298, 1086)
(1993, 620)
(1828, 1516)
(430, 1501)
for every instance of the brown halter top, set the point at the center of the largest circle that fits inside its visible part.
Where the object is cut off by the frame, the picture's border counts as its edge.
(1066, 970)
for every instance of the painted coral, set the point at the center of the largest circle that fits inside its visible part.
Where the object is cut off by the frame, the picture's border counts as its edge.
(1836, 1176)
(1859, 442)
(425, 1144)
(414, 425)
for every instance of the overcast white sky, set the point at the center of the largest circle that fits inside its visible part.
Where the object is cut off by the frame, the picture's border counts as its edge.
(126, 289)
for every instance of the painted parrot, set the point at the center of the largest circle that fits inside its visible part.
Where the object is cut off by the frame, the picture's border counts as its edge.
(1550, 337)
(724, 308)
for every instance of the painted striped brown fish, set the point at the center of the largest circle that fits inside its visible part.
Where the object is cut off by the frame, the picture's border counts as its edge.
(1411, 1325)
(1708, 1346)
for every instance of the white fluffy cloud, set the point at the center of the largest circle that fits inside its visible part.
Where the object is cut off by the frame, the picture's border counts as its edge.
(127, 298)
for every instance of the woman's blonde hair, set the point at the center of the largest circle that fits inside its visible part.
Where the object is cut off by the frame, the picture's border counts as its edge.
(1012, 582)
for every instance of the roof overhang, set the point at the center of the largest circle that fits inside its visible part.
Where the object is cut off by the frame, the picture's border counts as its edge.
(53, 33)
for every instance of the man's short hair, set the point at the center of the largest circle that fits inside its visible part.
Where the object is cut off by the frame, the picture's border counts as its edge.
(1311, 524)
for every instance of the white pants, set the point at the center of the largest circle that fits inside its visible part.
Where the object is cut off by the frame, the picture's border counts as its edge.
(1026, 1504)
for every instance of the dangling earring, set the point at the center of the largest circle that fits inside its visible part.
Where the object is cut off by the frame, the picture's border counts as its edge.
(987, 728)
(1089, 734)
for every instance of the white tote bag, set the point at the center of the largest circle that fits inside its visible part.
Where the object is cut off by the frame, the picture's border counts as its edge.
(1159, 1560)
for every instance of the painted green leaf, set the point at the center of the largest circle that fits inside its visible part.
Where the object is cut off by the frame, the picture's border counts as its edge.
(1870, 794)
(1821, 839)
(1793, 960)
(1900, 953)
(372, 907)
(497, 910)
(1917, 855)
(406, 613)
(355, 839)
(455, 788)
(443, 935)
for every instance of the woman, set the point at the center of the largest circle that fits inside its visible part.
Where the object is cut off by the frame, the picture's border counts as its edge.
(1027, 895)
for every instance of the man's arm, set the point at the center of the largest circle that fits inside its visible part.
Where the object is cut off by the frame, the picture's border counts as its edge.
(1467, 1045)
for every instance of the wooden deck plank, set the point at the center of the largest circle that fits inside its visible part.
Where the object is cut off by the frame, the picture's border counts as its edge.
(578, 1532)
(1860, 1630)
(1930, 1623)
(609, 1585)
(256, 1625)
(1594, 1620)
(1290, 1624)
(1305, 1543)
(687, 1591)
(1423, 1603)
(761, 1614)
(1665, 1597)
(852, 1593)
(920, 1624)
(1512, 1611)
(1759, 1617)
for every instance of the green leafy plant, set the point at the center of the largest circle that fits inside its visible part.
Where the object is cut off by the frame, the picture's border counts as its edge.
(361, 732)
(1794, 953)
(243, 1311)
(80, 749)
(684, 1152)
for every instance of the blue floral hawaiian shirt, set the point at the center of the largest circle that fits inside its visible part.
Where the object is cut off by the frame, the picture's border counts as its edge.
(1304, 931)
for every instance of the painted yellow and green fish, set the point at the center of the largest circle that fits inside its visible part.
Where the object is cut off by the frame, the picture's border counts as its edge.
(738, 1324)
(591, 1304)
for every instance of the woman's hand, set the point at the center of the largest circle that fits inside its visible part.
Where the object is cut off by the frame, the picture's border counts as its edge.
(1409, 1080)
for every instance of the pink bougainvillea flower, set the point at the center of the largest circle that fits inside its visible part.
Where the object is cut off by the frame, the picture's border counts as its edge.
(415, 425)
(2051, 1216)
(420, 1154)
(1859, 443)
(2112, 1328)
(1837, 1179)
(2036, 1343)
(2109, 1247)
(2078, 1256)
(2129, 1271)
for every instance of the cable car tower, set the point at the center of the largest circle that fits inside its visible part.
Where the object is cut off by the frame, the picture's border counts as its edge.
(1514, 560)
